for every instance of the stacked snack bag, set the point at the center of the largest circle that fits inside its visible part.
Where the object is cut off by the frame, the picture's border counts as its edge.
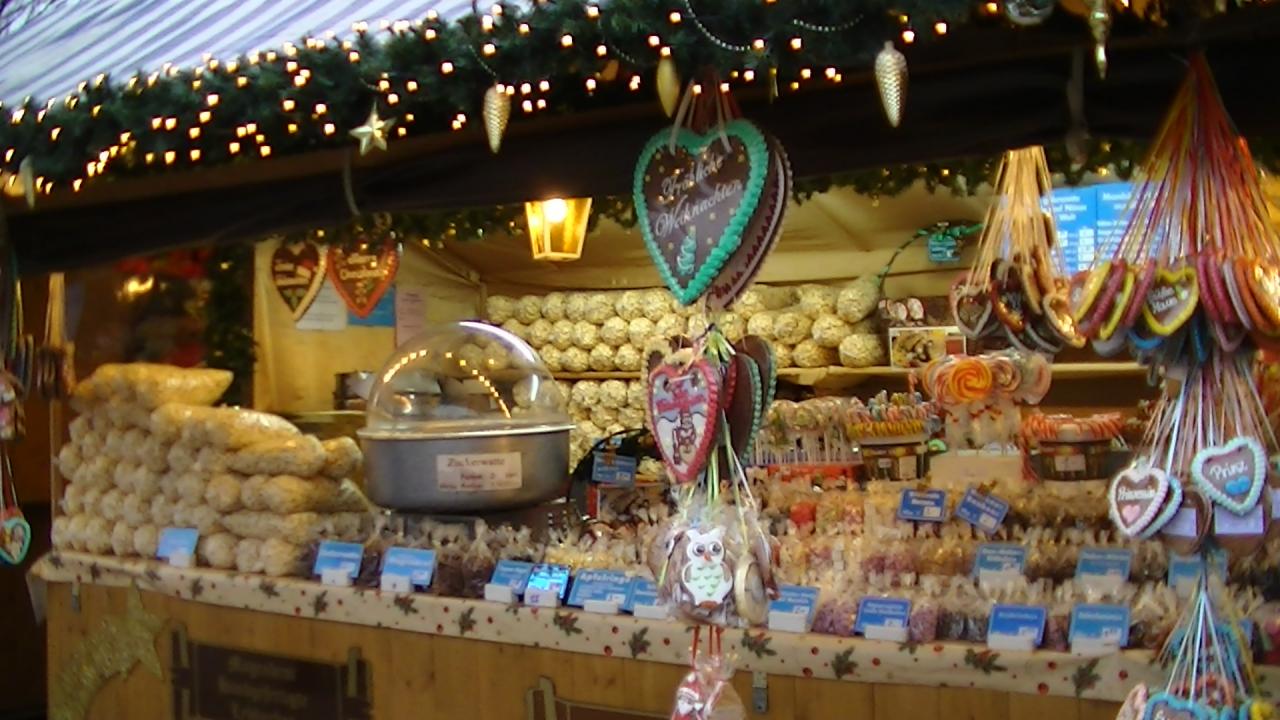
(149, 451)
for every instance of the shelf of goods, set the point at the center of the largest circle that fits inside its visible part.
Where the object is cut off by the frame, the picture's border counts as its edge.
(837, 377)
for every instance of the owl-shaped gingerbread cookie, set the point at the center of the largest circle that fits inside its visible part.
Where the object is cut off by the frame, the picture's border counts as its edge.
(706, 574)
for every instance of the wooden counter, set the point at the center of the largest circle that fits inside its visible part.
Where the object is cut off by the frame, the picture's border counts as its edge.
(413, 675)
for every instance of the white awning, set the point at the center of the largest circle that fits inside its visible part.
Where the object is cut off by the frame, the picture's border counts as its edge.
(46, 54)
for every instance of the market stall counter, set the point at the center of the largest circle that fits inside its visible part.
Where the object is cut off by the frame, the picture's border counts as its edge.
(209, 641)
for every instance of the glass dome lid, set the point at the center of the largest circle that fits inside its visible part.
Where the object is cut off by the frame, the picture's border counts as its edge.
(465, 378)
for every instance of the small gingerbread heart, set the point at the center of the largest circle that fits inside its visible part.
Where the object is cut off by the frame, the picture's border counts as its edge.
(1232, 474)
(1135, 497)
(684, 410)
(1172, 299)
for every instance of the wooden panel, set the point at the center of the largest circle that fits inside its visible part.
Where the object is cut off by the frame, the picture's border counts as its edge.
(1047, 707)
(971, 704)
(891, 701)
(456, 677)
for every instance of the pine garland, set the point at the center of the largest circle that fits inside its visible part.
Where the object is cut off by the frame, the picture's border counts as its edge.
(564, 56)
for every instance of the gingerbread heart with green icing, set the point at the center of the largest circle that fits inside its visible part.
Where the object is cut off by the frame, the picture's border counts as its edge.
(695, 196)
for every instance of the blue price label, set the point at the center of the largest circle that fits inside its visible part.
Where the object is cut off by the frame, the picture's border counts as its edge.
(1110, 563)
(882, 612)
(548, 578)
(600, 586)
(1184, 569)
(1023, 622)
(1000, 559)
(1100, 624)
(643, 591)
(984, 512)
(923, 506)
(612, 469)
(177, 542)
(339, 557)
(795, 600)
(413, 563)
(513, 574)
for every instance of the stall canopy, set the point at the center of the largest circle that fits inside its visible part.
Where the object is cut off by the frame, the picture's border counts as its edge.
(988, 88)
(50, 47)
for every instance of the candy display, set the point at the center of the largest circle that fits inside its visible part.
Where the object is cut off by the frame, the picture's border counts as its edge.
(980, 396)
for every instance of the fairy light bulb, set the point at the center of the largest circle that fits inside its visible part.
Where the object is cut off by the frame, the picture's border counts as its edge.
(908, 36)
(489, 48)
(446, 67)
(674, 17)
(566, 40)
(940, 27)
(796, 43)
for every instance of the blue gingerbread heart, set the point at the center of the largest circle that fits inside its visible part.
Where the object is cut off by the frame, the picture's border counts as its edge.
(15, 540)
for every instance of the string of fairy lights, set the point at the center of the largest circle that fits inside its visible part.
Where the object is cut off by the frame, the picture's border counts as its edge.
(429, 76)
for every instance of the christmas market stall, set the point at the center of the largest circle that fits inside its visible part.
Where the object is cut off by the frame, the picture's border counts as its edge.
(624, 359)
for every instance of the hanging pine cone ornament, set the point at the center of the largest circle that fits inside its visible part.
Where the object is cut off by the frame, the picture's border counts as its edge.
(668, 82)
(891, 79)
(497, 111)
(1100, 28)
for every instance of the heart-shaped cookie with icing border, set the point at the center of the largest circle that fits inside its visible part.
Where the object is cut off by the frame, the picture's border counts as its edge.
(1120, 306)
(1209, 296)
(695, 195)
(1253, 305)
(1233, 293)
(760, 236)
(1266, 290)
(1232, 474)
(1146, 276)
(1167, 706)
(1102, 307)
(684, 410)
(1172, 501)
(1090, 286)
(1135, 497)
(15, 539)
(1135, 703)
(1057, 313)
(1172, 300)
(970, 307)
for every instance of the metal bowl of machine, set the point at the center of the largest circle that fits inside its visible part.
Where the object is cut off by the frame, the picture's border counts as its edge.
(465, 418)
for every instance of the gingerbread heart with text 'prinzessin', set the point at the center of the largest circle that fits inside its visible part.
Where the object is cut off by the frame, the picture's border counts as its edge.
(1232, 474)
(1135, 497)
(695, 196)
(684, 413)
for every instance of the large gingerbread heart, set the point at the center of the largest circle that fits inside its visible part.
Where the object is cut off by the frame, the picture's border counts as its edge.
(298, 273)
(684, 412)
(1135, 498)
(761, 235)
(695, 198)
(15, 539)
(1172, 299)
(1232, 474)
(363, 274)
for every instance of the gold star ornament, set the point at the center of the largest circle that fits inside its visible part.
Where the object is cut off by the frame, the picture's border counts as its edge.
(118, 643)
(373, 133)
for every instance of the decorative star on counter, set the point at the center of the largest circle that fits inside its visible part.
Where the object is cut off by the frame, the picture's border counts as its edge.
(373, 133)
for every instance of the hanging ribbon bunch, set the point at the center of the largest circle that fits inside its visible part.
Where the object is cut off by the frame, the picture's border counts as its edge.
(1014, 287)
(1198, 266)
(1211, 674)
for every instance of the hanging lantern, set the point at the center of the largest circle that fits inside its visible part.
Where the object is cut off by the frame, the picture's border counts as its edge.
(557, 227)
